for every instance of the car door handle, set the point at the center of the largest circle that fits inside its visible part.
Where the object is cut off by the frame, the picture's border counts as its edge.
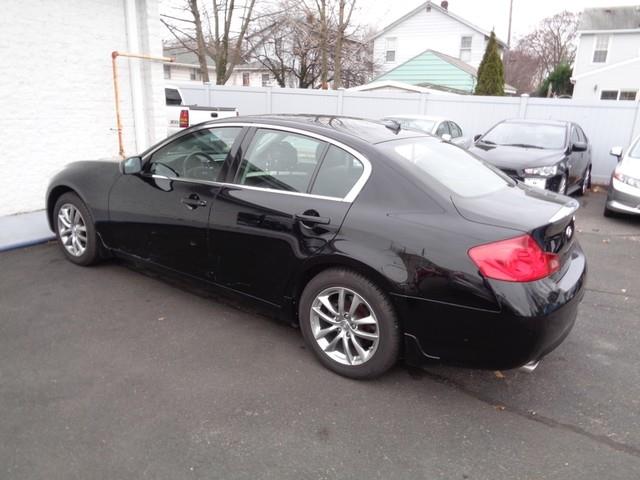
(193, 201)
(312, 219)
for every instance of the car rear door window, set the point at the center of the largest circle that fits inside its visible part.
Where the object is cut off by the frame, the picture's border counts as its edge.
(338, 173)
(456, 131)
(443, 129)
(280, 160)
(198, 155)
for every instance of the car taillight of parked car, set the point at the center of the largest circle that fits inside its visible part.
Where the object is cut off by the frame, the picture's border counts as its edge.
(518, 259)
(184, 118)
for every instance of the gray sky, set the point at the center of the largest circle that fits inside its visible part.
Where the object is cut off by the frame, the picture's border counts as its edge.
(486, 14)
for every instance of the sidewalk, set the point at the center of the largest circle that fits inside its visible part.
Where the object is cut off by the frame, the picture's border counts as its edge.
(24, 229)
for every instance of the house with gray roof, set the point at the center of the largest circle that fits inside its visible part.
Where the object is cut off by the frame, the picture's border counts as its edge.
(607, 64)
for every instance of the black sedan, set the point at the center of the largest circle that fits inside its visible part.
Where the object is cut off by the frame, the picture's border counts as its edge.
(378, 242)
(546, 154)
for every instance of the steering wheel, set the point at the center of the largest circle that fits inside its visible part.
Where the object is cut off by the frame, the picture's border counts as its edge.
(197, 162)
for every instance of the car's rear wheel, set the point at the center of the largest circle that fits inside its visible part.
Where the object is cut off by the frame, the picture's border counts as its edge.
(586, 182)
(350, 324)
(75, 230)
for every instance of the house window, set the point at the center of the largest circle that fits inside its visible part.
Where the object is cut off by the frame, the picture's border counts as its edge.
(390, 50)
(167, 72)
(194, 74)
(609, 95)
(245, 79)
(628, 95)
(601, 48)
(465, 48)
(266, 80)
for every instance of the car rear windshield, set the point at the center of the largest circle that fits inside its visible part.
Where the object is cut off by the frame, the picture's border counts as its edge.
(527, 135)
(428, 159)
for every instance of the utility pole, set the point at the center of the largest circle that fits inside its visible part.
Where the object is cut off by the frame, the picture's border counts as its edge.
(506, 54)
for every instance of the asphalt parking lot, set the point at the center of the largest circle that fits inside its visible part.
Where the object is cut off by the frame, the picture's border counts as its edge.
(116, 373)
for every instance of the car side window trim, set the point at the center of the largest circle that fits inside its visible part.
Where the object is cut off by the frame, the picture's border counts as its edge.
(245, 136)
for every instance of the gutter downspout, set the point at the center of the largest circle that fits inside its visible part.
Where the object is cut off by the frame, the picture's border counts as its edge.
(116, 88)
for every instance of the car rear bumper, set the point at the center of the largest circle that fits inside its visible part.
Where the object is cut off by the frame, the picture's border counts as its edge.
(623, 198)
(533, 320)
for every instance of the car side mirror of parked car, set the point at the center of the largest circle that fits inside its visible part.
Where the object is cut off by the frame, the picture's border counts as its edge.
(579, 147)
(446, 137)
(131, 165)
(616, 152)
(476, 137)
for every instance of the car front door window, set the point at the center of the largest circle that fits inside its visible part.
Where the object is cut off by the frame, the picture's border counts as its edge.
(199, 155)
(443, 129)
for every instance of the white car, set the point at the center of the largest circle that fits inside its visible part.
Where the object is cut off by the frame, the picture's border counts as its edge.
(624, 189)
(441, 127)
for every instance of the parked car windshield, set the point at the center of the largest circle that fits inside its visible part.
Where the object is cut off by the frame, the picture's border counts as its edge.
(527, 135)
(460, 172)
(635, 151)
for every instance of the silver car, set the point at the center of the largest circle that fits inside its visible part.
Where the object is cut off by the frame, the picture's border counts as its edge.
(624, 188)
(441, 127)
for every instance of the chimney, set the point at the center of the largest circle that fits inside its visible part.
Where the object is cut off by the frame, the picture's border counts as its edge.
(444, 4)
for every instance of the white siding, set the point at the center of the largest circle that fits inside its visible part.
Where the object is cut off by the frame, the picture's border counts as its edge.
(428, 30)
(57, 90)
(622, 46)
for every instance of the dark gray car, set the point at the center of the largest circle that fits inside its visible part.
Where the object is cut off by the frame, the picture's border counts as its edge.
(547, 154)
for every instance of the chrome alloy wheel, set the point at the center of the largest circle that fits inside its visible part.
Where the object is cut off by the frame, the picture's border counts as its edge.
(72, 229)
(344, 326)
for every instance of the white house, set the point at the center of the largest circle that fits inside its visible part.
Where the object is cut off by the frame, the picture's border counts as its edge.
(185, 68)
(607, 64)
(57, 88)
(434, 27)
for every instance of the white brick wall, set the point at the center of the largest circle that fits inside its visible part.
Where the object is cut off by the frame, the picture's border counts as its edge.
(56, 89)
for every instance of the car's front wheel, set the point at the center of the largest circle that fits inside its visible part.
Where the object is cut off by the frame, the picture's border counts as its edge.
(350, 324)
(75, 230)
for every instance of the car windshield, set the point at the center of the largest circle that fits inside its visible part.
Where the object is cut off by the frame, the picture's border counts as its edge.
(526, 135)
(460, 172)
(635, 151)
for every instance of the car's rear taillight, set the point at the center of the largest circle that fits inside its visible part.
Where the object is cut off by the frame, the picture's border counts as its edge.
(184, 118)
(518, 259)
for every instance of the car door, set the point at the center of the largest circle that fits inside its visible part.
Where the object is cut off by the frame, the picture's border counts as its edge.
(575, 159)
(162, 214)
(286, 201)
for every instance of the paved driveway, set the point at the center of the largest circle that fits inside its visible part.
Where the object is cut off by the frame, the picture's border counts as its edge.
(113, 373)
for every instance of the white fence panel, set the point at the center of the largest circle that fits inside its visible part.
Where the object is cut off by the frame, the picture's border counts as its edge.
(606, 123)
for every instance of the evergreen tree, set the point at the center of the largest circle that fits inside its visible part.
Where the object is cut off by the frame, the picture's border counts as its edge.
(560, 81)
(491, 70)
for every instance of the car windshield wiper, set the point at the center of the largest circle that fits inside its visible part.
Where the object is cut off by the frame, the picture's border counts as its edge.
(523, 145)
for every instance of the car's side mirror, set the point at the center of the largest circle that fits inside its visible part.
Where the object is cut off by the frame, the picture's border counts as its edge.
(616, 152)
(446, 137)
(476, 137)
(579, 147)
(131, 165)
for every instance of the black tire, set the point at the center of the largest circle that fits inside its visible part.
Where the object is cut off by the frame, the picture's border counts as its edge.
(91, 253)
(610, 213)
(586, 182)
(388, 347)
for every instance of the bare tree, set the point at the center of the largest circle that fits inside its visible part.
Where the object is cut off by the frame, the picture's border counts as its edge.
(553, 42)
(214, 38)
(345, 9)
(523, 70)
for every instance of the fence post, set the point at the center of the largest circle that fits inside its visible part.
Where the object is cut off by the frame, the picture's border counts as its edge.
(423, 103)
(524, 101)
(340, 101)
(269, 101)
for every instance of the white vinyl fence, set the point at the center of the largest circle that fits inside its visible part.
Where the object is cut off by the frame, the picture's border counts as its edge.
(606, 123)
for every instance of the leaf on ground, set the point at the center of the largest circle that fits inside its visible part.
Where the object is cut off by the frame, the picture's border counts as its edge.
(500, 408)
(498, 374)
